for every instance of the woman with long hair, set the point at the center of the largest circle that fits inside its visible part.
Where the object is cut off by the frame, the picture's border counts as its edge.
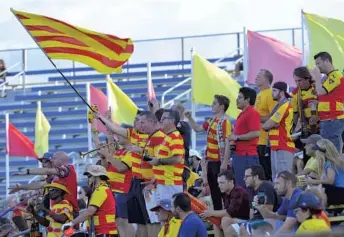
(331, 166)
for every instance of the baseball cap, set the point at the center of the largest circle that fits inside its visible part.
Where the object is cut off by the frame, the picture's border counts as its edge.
(165, 204)
(312, 139)
(282, 86)
(308, 200)
(194, 152)
(96, 170)
(46, 156)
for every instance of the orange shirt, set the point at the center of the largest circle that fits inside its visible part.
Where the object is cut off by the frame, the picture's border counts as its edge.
(172, 145)
(213, 153)
(119, 182)
(139, 168)
(104, 219)
(280, 136)
(331, 105)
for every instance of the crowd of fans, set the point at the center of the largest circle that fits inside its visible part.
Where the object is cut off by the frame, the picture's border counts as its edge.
(254, 179)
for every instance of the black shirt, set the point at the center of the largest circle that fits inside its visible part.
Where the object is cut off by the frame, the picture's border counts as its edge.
(185, 130)
(270, 194)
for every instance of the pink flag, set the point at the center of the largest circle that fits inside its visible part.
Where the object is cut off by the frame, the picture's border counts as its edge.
(276, 56)
(150, 89)
(98, 98)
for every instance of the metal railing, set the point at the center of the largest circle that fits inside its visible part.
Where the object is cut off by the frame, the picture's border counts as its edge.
(187, 92)
(7, 80)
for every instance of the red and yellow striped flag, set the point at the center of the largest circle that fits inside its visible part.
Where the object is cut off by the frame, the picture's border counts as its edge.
(60, 40)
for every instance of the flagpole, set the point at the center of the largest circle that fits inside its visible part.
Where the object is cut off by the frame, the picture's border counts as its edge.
(303, 38)
(149, 77)
(59, 71)
(89, 129)
(7, 119)
(193, 105)
(245, 60)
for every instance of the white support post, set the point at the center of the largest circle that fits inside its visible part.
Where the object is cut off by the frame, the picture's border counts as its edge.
(193, 105)
(245, 61)
(7, 155)
(304, 56)
(89, 129)
(149, 75)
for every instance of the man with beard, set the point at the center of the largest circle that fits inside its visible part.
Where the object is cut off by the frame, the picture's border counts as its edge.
(60, 213)
(285, 186)
(102, 205)
(192, 225)
(279, 125)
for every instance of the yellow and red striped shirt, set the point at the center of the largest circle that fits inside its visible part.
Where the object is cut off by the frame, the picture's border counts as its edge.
(213, 153)
(173, 145)
(331, 105)
(63, 207)
(104, 219)
(280, 136)
(119, 182)
(141, 170)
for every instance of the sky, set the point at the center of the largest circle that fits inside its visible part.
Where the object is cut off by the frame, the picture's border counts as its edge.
(149, 19)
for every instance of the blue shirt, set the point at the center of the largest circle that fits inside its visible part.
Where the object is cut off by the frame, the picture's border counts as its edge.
(339, 174)
(192, 226)
(288, 205)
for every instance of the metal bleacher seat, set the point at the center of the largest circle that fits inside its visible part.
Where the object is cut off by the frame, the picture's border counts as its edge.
(67, 113)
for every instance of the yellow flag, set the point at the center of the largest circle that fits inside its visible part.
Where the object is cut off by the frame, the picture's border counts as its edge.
(122, 107)
(42, 129)
(209, 80)
(325, 34)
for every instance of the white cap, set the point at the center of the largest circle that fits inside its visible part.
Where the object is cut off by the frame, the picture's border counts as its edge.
(193, 152)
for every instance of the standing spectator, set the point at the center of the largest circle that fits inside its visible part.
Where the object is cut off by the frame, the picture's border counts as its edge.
(184, 129)
(331, 97)
(261, 189)
(236, 205)
(58, 214)
(192, 225)
(61, 171)
(285, 186)
(165, 215)
(279, 125)
(102, 206)
(3, 72)
(168, 160)
(264, 105)
(245, 135)
(218, 128)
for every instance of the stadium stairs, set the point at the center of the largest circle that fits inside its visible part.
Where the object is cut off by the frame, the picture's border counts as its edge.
(67, 113)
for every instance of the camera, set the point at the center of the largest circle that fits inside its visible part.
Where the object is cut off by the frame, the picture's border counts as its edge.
(261, 198)
(147, 158)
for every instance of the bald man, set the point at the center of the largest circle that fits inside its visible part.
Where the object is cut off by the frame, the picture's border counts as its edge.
(61, 171)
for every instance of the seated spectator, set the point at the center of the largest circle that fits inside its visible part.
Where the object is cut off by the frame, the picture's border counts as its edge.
(319, 193)
(164, 213)
(311, 168)
(308, 206)
(331, 168)
(3, 72)
(261, 189)
(236, 205)
(285, 186)
(192, 225)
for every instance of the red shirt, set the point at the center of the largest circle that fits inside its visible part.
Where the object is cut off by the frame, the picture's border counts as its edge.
(247, 121)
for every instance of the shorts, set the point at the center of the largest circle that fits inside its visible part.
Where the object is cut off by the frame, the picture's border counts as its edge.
(236, 226)
(136, 205)
(167, 191)
(121, 205)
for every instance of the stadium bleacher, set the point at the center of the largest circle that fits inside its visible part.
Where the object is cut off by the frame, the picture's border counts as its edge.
(67, 113)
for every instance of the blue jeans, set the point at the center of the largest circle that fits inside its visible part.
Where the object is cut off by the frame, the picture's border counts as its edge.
(333, 130)
(240, 163)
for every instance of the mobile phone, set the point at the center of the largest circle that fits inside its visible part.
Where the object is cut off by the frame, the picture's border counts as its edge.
(261, 198)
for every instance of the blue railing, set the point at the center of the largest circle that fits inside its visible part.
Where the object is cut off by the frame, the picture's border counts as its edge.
(155, 50)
